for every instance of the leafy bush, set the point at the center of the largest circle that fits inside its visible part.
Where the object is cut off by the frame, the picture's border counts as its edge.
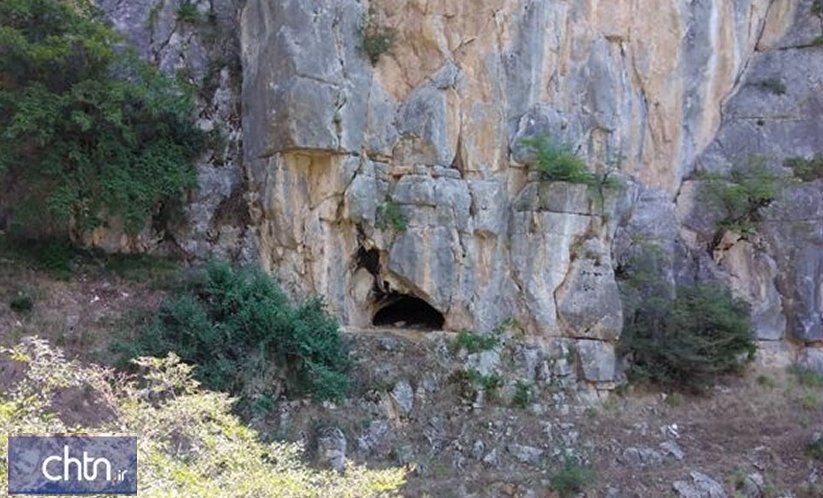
(188, 442)
(238, 327)
(806, 169)
(377, 40)
(389, 215)
(817, 8)
(680, 337)
(187, 12)
(522, 394)
(690, 340)
(743, 193)
(558, 162)
(89, 132)
(815, 448)
(22, 302)
(471, 382)
(473, 342)
(572, 479)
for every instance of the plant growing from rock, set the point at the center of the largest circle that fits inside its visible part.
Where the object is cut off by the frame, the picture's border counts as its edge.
(472, 342)
(743, 193)
(187, 12)
(376, 39)
(773, 85)
(806, 169)
(523, 395)
(560, 163)
(572, 479)
(389, 215)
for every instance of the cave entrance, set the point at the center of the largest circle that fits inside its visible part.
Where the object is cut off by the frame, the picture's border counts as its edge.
(402, 310)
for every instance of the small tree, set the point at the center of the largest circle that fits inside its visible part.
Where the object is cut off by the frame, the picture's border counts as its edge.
(743, 193)
(686, 341)
(88, 130)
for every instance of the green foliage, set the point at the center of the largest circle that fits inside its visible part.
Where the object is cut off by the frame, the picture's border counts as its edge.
(52, 256)
(572, 479)
(558, 162)
(238, 327)
(376, 39)
(389, 215)
(471, 382)
(162, 271)
(815, 449)
(773, 85)
(684, 341)
(805, 376)
(817, 8)
(188, 442)
(22, 302)
(89, 132)
(743, 193)
(690, 340)
(187, 12)
(806, 169)
(473, 342)
(523, 396)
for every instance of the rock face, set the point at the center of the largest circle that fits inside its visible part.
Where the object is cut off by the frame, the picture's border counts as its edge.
(203, 50)
(367, 183)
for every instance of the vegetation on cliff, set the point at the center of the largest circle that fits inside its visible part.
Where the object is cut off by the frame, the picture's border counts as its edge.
(89, 132)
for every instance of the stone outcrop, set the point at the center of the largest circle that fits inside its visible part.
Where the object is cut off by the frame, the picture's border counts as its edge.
(203, 51)
(435, 131)
(366, 182)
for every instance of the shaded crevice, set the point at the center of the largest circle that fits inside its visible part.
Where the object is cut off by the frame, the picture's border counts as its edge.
(403, 310)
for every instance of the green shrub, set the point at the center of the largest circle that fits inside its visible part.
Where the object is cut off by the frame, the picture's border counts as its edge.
(806, 169)
(389, 215)
(806, 376)
(23, 302)
(187, 12)
(773, 85)
(238, 327)
(555, 162)
(688, 341)
(559, 163)
(523, 396)
(815, 449)
(572, 479)
(817, 8)
(376, 39)
(471, 382)
(188, 442)
(473, 342)
(743, 193)
(89, 132)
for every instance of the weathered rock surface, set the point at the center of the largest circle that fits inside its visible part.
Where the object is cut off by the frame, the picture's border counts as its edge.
(435, 129)
(361, 182)
(205, 52)
(700, 486)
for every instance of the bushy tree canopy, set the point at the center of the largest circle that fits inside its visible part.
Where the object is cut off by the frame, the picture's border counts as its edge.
(87, 129)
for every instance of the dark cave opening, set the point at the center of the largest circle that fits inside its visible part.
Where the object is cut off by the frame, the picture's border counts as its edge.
(406, 311)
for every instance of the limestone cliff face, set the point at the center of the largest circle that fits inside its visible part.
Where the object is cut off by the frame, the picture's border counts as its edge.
(435, 127)
(334, 147)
